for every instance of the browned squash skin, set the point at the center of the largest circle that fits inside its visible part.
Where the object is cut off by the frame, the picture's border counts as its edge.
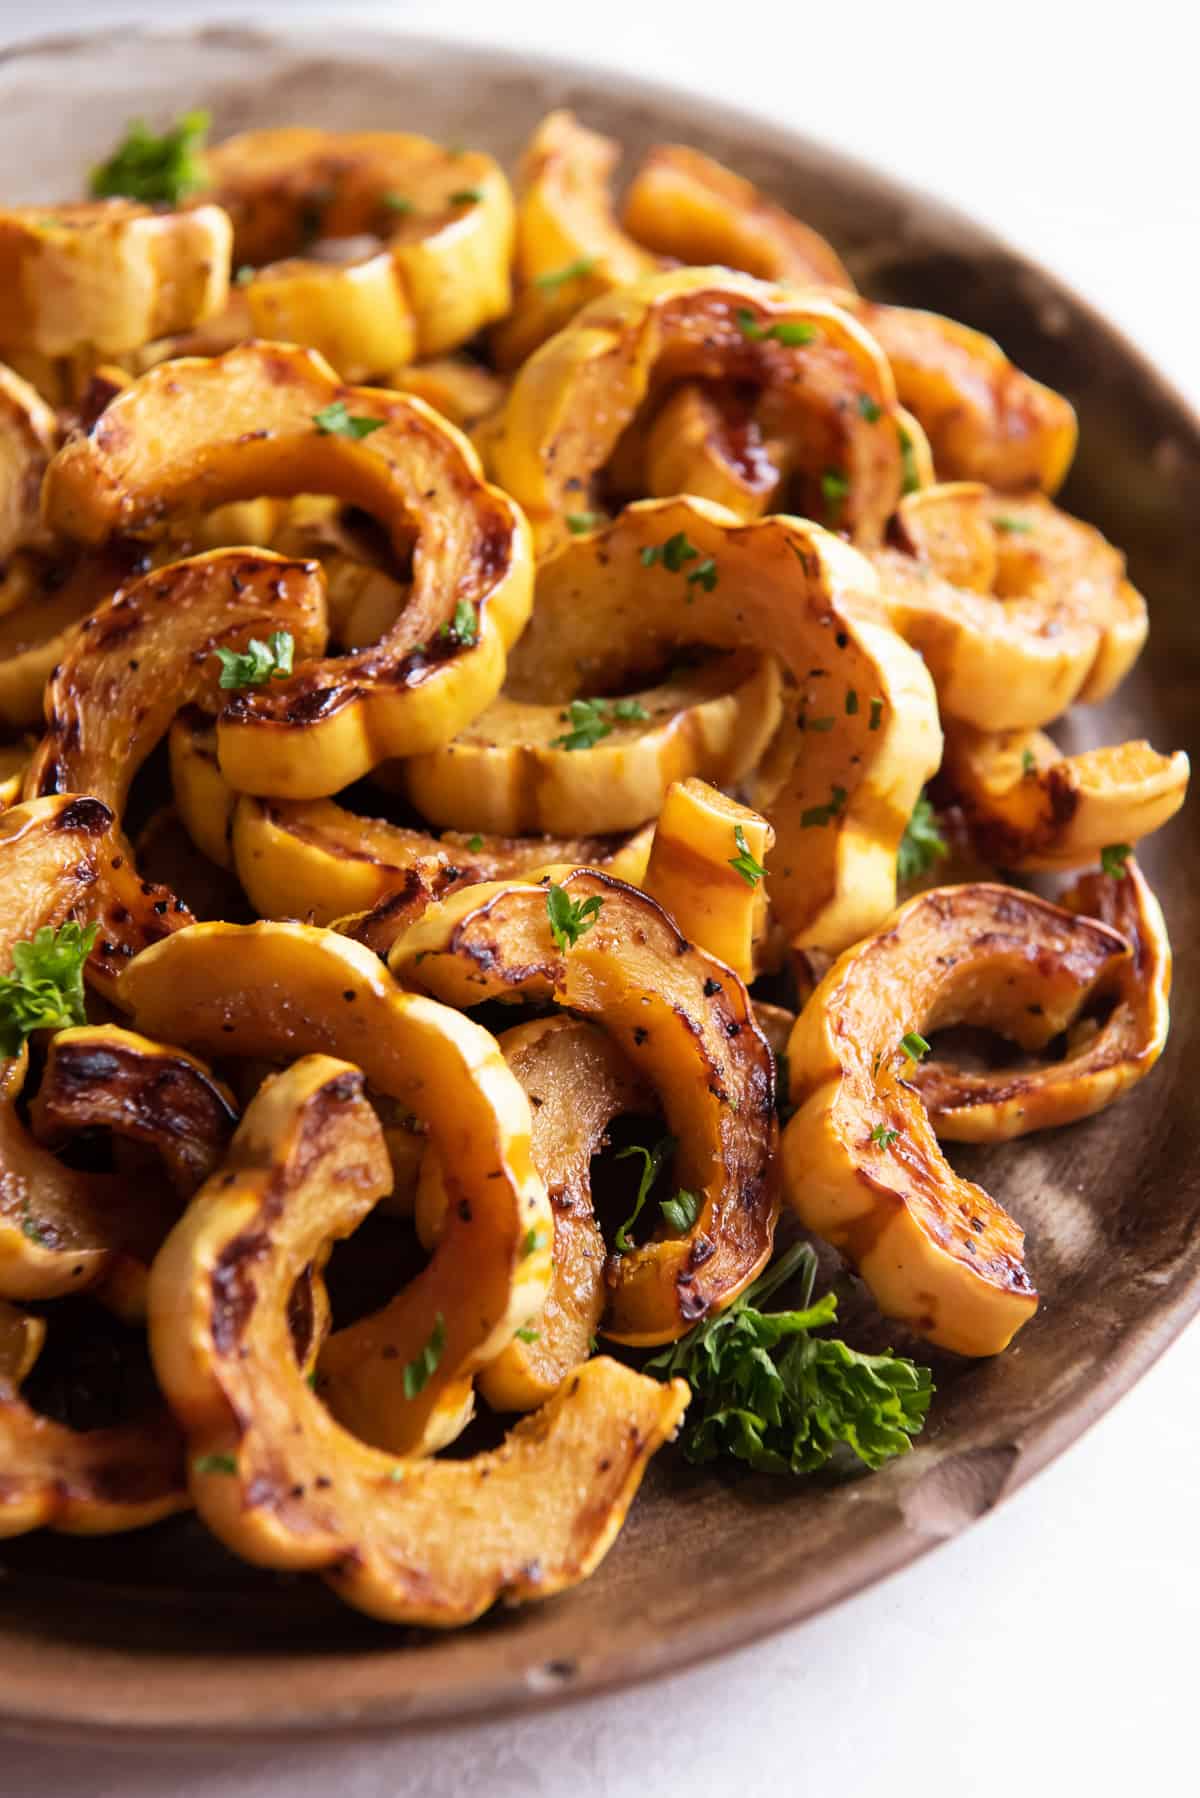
(191, 435)
(408, 1541)
(1104, 1058)
(81, 1482)
(685, 1022)
(938, 1252)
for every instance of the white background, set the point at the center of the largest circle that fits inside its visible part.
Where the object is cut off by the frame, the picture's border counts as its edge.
(1053, 1648)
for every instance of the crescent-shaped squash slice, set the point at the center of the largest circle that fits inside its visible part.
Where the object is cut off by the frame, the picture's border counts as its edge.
(861, 1162)
(57, 591)
(1017, 609)
(136, 660)
(830, 391)
(281, 1482)
(1106, 1054)
(706, 870)
(685, 1023)
(577, 1082)
(108, 275)
(529, 764)
(463, 391)
(82, 1482)
(279, 990)
(442, 273)
(569, 247)
(1029, 806)
(28, 439)
(708, 440)
(190, 435)
(676, 572)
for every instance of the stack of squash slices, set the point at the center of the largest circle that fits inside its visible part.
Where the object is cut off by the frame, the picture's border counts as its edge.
(479, 669)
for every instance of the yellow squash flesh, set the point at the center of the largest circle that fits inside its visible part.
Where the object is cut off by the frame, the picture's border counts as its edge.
(280, 990)
(691, 872)
(28, 438)
(683, 1020)
(849, 785)
(408, 1541)
(708, 441)
(188, 436)
(937, 1251)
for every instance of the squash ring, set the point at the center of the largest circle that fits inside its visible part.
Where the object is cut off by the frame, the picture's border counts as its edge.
(243, 425)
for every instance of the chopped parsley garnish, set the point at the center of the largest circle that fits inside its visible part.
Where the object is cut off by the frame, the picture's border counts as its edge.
(817, 816)
(652, 1165)
(159, 171)
(475, 843)
(578, 523)
(673, 554)
(766, 1390)
(883, 1136)
(396, 202)
(420, 1371)
(1028, 763)
(876, 714)
(1013, 527)
(466, 196)
(835, 490)
(914, 1046)
(871, 410)
(527, 1335)
(555, 278)
(703, 575)
(45, 989)
(335, 421)
(908, 463)
(258, 663)
(570, 918)
(531, 1241)
(215, 1464)
(743, 863)
(464, 626)
(1113, 857)
(790, 332)
(851, 702)
(682, 1211)
(922, 843)
(591, 720)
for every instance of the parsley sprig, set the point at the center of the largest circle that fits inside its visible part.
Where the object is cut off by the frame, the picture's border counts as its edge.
(258, 663)
(156, 170)
(652, 1165)
(922, 843)
(570, 918)
(766, 1390)
(45, 989)
(591, 721)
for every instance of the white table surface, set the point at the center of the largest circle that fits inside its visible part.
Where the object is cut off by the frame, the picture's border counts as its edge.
(1052, 1648)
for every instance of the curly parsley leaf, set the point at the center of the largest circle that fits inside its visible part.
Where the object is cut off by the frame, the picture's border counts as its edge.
(156, 170)
(922, 843)
(45, 989)
(570, 918)
(652, 1164)
(591, 720)
(258, 663)
(767, 1391)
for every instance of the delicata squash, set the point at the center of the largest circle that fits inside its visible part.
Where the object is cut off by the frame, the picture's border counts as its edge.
(281, 1482)
(861, 1162)
(1018, 609)
(1106, 1053)
(706, 870)
(82, 1482)
(668, 573)
(827, 382)
(108, 275)
(28, 439)
(441, 274)
(683, 1020)
(279, 990)
(269, 419)
(1029, 806)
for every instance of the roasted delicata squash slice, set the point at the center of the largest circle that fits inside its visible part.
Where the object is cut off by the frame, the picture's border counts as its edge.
(1106, 1054)
(150, 650)
(688, 207)
(708, 440)
(268, 419)
(281, 1482)
(685, 1023)
(108, 275)
(82, 1482)
(526, 765)
(668, 573)
(57, 591)
(1018, 609)
(577, 1081)
(861, 1162)
(441, 274)
(28, 439)
(463, 391)
(569, 246)
(1029, 806)
(706, 870)
(821, 378)
(278, 990)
